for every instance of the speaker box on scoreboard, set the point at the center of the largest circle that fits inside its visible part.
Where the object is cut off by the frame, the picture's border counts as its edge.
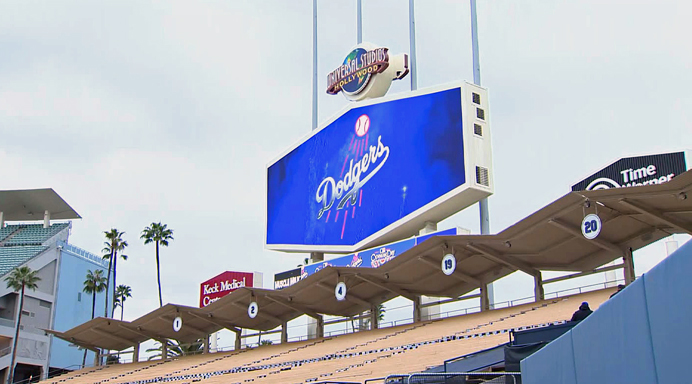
(380, 169)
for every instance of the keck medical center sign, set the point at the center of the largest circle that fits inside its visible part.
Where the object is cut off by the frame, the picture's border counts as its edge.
(223, 284)
(634, 171)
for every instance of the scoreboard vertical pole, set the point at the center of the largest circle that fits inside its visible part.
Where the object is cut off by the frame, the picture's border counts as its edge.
(359, 24)
(485, 216)
(312, 326)
(314, 64)
(412, 42)
(483, 204)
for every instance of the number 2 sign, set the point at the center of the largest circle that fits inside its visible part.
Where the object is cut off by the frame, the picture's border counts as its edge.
(591, 226)
(252, 310)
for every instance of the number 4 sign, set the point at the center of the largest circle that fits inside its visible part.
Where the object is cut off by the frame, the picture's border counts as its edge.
(591, 226)
(340, 291)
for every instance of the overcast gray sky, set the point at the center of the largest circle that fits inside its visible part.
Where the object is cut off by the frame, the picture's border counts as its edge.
(169, 111)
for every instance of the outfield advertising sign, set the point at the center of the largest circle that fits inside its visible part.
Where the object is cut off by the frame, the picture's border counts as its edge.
(367, 72)
(223, 284)
(368, 172)
(634, 171)
(371, 258)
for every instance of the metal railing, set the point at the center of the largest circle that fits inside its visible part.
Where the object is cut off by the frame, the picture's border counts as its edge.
(82, 253)
(442, 315)
(452, 377)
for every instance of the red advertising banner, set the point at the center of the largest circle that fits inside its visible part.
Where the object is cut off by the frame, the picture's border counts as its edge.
(221, 285)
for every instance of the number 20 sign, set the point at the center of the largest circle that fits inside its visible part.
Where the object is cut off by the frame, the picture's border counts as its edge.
(591, 226)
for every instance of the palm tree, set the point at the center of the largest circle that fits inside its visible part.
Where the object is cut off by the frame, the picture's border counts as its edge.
(157, 233)
(113, 245)
(19, 279)
(122, 292)
(177, 349)
(380, 316)
(95, 283)
(380, 312)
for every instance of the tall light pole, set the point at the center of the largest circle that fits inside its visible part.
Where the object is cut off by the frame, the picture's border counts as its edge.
(412, 49)
(314, 64)
(483, 204)
(359, 23)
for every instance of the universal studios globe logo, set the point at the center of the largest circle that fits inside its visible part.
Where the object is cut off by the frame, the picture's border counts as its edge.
(367, 72)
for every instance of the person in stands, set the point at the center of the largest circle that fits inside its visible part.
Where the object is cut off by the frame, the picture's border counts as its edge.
(583, 312)
(620, 288)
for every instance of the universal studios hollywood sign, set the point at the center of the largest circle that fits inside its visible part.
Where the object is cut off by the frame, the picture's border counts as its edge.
(367, 72)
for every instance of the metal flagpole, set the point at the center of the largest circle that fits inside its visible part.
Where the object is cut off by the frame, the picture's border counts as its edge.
(360, 21)
(412, 40)
(483, 204)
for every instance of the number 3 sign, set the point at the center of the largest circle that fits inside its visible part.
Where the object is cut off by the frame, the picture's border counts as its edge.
(591, 226)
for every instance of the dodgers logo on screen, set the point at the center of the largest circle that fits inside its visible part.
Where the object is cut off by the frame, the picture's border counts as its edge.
(366, 162)
(365, 173)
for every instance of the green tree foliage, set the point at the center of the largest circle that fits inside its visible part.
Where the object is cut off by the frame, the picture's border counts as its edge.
(177, 349)
(95, 283)
(18, 280)
(159, 234)
(114, 244)
(122, 292)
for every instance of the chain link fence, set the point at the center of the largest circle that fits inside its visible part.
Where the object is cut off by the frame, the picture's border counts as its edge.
(456, 378)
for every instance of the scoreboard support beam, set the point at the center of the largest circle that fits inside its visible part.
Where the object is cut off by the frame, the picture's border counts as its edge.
(539, 293)
(629, 267)
(238, 339)
(284, 332)
(374, 317)
(485, 299)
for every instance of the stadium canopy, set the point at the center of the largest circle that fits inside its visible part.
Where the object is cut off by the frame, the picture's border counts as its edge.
(103, 333)
(31, 204)
(549, 239)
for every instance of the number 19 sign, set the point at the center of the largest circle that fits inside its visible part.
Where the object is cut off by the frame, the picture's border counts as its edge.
(591, 226)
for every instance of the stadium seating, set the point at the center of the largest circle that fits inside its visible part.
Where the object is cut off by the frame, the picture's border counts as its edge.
(11, 257)
(33, 234)
(6, 231)
(352, 357)
(639, 336)
(21, 242)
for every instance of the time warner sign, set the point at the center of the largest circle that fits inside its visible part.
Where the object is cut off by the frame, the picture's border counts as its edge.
(379, 170)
